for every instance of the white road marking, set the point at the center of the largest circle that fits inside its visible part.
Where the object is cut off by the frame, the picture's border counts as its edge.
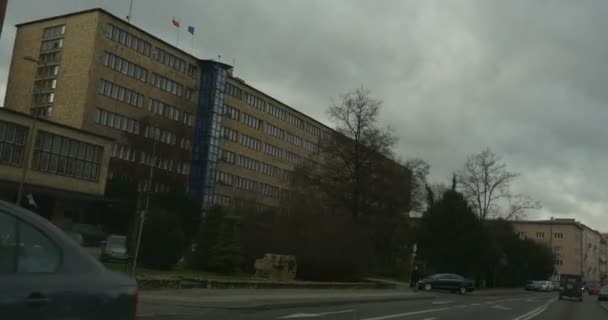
(391, 316)
(501, 307)
(442, 302)
(535, 312)
(461, 306)
(475, 304)
(314, 315)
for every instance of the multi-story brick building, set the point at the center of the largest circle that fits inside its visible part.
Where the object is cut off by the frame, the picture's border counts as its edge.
(62, 170)
(577, 248)
(217, 136)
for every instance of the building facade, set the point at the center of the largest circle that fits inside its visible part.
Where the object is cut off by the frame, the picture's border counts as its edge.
(91, 70)
(199, 126)
(577, 248)
(65, 168)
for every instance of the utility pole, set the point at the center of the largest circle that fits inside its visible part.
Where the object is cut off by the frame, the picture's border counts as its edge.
(30, 140)
(144, 212)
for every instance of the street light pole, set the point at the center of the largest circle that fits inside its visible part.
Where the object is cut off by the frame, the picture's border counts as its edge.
(144, 212)
(30, 142)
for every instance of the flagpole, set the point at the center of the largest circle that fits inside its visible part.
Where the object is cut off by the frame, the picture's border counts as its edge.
(177, 41)
(192, 45)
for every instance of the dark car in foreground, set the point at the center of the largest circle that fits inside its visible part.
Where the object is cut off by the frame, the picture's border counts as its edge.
(446, 281)
(603, 294)
(45, 274)
(115, 248)
(571, 286)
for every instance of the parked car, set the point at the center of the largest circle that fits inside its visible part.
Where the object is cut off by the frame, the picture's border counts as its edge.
(446, 281)
(544, 286)
(571, 286)
(603, 294)
(531, 285)
(593, 288)
(115, 248)
(45, 274)
(92, 235)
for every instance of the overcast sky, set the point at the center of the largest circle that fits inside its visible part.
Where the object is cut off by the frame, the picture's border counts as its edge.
(528, 79)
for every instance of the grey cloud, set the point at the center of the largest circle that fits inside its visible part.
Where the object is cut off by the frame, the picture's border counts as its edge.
(524, 78)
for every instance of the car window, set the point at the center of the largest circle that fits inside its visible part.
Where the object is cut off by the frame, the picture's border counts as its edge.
(37, 253)
(8, 233)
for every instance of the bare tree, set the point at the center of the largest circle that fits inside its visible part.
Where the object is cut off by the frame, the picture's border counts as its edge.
(485, 182)
(359, 140)
(419, 170)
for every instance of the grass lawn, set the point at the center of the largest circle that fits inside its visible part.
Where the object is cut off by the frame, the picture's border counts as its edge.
(178, 272)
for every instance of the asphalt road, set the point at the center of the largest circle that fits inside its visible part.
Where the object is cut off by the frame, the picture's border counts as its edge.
(537, 306)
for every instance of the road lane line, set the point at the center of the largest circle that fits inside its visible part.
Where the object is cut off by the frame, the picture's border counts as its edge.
(475, 304)
(501, 307)
(315, 315)
(536, 311)
(442, 302)
(461, 306)
(398, 315)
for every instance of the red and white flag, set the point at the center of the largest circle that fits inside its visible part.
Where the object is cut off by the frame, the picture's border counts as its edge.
(175, 22)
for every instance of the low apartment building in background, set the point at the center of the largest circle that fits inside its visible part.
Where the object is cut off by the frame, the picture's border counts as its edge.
(215, 136)
(578, 249)
(66, 168)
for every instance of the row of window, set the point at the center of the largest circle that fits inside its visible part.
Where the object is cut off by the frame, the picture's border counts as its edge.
(167, 84)
(248, 184)
(124, 152)
(128, 40)
(46, 84)
(248, 163)
(273, 150)
(541, 235)
(44, 98)
(51, 45)
(293, 158)
(293, 139)
(47, 71)
(227, 156)
(120, 93)
(274, 131)
(65, 156)
(156, 161)
(52, 32)
(128, 153)
(229, 134)
(170, 60)
(50, 58)
(269, 190)
(230, 112)
(251, 121)
(163, 109)
(252, 164)
(124, 66)
(116, 121)
(185, 143)
(12, 141)
(273, 110)
(255, 102)
(250, 142)
(161, 135)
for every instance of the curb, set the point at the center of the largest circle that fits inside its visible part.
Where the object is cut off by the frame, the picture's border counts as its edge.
(285, 305)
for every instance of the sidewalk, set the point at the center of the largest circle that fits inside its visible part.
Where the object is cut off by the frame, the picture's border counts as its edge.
(168, 301)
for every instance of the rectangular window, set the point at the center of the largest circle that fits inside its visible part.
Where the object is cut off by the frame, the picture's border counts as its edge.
(229, 134)
(250, 142)
(116, 121)
(251, 121)
(233, 91)
(170, 60)
(226, 155)
(274, 131)
(276, 112)
(255, 102)
(120, 93)
(540, 235)
(167, 84)
(231, 112)
(55, 159)
(224, 178)
(558, 235)
(124, 66)
(128, 40)
(52, 32)
(12, 141)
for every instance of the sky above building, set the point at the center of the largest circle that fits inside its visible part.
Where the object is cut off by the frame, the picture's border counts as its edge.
(525, 78)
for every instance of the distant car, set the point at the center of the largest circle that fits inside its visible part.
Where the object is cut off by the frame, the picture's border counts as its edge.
(45, 274)
(571, 286)
(603, 294)
(593, 289)
(544, 286)
(92, 235)
(531, 285)
(446, 281)
(115, 248)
